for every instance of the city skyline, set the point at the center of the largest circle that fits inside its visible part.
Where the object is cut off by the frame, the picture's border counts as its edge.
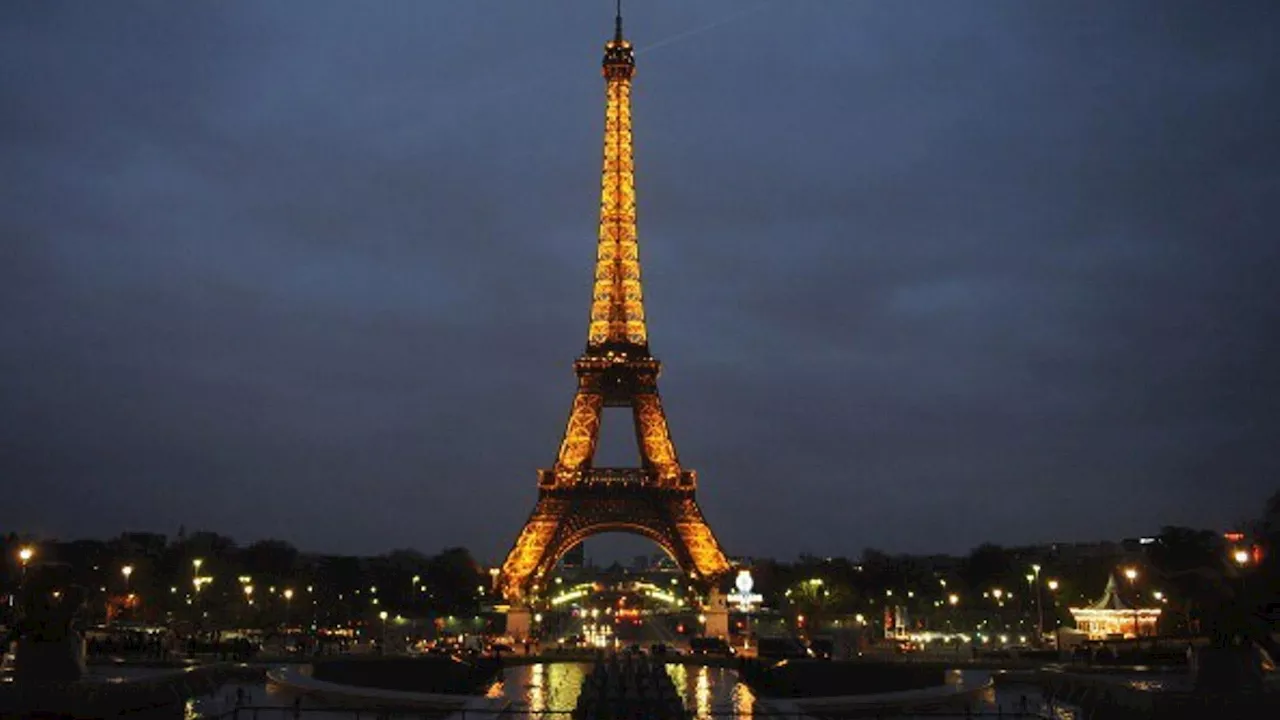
(919, 280)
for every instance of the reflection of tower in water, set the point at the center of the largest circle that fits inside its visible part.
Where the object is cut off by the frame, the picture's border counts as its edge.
(712, 692)
(702, 698)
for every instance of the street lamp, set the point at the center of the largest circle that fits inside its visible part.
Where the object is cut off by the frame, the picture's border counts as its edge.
(1132, 574)
(1039, 607)
(24, 556)
(248, 594)
(1241, 557)
(127, 570)
(1057, 624)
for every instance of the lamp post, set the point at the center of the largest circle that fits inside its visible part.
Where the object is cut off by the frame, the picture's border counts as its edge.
(24, 557)
(126, 571)
(1132, 574)
(382, 645)
(1057, 624)
(1039, 608)
(288, 604)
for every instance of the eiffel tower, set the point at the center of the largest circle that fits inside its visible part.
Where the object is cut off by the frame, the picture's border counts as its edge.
(575, 498)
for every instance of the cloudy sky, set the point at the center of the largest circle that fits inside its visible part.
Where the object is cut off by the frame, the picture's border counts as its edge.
(922, 274)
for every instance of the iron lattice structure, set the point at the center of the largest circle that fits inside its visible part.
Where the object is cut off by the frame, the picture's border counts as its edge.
(576, 499)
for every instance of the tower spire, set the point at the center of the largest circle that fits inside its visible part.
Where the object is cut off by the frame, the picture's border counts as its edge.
(617, 304)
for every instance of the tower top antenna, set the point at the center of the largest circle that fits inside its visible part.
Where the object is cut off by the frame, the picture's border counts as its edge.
(617, 23)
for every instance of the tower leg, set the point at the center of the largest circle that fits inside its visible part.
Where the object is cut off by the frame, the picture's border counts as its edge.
(579, 444)
(519, 622)
(655, 438)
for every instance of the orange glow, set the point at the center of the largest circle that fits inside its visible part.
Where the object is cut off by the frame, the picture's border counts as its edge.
(655, 500)
(617, 303)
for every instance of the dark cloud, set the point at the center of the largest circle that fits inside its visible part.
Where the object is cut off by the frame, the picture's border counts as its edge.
(922, 274)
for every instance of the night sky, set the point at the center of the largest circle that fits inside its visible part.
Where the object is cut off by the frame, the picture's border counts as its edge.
(922, 274)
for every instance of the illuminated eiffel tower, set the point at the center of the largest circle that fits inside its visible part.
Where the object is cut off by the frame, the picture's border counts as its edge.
(575, 498)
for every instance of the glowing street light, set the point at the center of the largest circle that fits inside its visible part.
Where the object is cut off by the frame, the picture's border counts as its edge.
(1053, 585)
(1132, 574)
(24, 556)
(997, 593)
(1241, 556)
(954, 599)
(127, 570)
(1035, 577)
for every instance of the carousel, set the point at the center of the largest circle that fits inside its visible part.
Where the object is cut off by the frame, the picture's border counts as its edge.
(1111, 618)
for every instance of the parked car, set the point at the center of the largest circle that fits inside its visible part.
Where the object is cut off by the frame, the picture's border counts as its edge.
(821, 648)
(781, 648)
(710, 646)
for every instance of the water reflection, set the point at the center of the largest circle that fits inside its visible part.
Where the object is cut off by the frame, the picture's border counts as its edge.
(544, 686)
(744, 701)
(702, 695)
(555, 686)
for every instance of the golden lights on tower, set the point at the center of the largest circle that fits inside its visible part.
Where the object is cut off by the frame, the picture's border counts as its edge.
(617, 302)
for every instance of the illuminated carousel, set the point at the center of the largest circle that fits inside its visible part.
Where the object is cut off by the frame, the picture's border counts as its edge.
(1111, 618)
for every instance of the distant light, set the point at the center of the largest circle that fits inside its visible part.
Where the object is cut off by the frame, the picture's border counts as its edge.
(953, 599)
(25, 554)
(1241, 556)
(383, 615)
(1131, 573)
(1053, 584)
(127, 570)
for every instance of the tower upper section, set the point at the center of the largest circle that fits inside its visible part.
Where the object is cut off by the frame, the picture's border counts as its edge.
(617, 302)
